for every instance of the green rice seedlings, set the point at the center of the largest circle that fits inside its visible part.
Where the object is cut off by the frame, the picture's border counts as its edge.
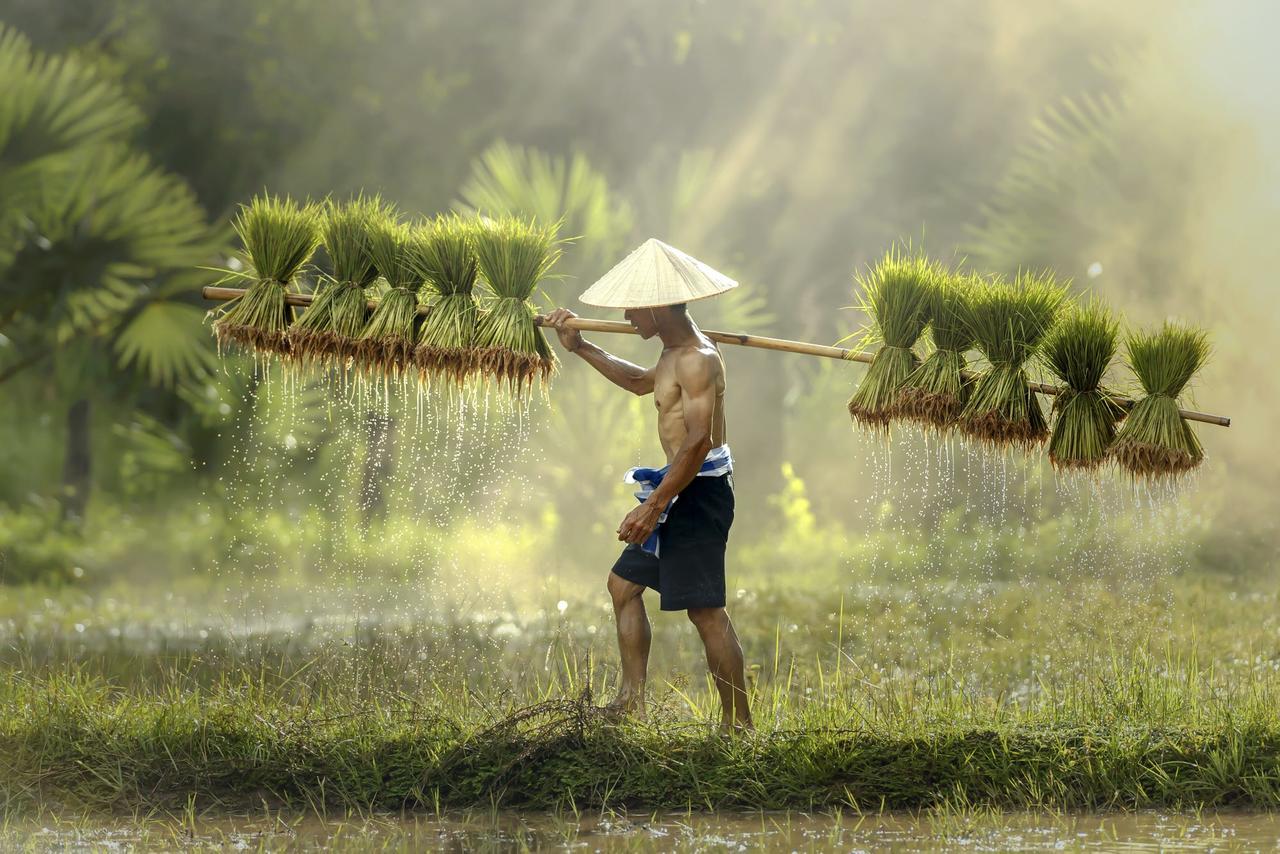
(330, 328)
(1078, 350)
(445, 258)
(1008, 322)
(934, 394)
(1155, 441)
(513, 256)
(386, 344)
(279, 237)
(895, 295)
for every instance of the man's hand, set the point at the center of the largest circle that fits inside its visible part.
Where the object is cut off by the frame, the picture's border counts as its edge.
(639, 523)
(570, 338)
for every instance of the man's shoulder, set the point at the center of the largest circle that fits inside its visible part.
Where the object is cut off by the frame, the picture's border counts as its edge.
(698, 360)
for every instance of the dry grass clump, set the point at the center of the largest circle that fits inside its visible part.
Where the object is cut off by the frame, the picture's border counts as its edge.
(446, 260)
(895, 294)
(1008, 322)
(1155, 441)
(1078, 350)
(279, 236)
(329, 330)
(513, 256)
(934, 394)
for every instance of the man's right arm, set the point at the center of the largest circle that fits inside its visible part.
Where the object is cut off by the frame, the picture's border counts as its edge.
(620, 372)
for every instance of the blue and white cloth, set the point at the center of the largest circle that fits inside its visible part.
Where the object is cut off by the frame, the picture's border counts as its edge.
(718, 463)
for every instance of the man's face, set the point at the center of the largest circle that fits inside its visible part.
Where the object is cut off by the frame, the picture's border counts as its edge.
(643, 319)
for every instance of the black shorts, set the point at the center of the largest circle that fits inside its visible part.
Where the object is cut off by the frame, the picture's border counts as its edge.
(690, 572)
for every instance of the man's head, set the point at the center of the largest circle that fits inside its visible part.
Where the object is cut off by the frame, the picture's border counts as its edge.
(648, 321)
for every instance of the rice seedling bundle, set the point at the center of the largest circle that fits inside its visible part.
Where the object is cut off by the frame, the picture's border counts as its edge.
(445, 258)
(935, 393)
(279, 237)
(329, 330)
(1078, 350)
(1008, 322)
(388, 339)
(895, 295)
(1155, 441)
(513, 256)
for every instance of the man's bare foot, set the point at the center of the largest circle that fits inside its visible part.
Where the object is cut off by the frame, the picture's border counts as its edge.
(623, 706)
(728, 728)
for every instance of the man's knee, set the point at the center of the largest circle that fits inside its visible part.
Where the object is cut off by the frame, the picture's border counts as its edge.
(622, 590)
(707, 618)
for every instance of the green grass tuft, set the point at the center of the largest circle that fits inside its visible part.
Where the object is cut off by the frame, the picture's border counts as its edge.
(329, 330)
(935, 393)
(513, 255)
(1078, 350)
(1008, 322)
(895, 294)
(1155, 441)
(279, 237)
(446, 260)
(386, 343)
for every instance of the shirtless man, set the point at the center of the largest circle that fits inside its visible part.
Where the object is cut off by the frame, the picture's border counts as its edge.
(687, 385)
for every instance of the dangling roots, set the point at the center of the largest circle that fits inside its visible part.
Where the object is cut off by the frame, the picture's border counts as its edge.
(320, 347)
(252, 338)
(394, 356)
(452, 363)
(999, 431)
(934, 409)
(1154, 462)
(518, 371)
(874, 419)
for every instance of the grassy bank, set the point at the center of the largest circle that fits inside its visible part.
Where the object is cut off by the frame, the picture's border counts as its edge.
(1087, 693)
(1146, 733)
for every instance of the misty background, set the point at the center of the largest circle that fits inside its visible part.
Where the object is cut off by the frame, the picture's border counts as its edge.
(1130, 147)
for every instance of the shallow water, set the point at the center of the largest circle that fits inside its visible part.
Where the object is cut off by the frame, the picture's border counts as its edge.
(937, 830)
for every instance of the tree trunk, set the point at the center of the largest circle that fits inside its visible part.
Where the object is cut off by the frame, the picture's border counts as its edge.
(77, 464)
(377, 466)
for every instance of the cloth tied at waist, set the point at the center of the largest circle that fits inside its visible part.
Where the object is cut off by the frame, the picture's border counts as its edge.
(718, 463)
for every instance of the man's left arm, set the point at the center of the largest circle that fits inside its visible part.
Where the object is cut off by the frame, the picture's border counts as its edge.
(696, 375)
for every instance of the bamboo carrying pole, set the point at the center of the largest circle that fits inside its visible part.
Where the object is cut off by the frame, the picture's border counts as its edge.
(742, 339)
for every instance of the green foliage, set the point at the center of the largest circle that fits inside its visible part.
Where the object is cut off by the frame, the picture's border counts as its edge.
(530, 183)
(95, 239)
(1155, 441)
(50, 106)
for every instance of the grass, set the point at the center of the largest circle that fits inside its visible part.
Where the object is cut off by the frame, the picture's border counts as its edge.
(934, 394)
(513, 256)
(327, 333)
(1078, 350)
(1009, 321)
(871, 700)
(1155, 441)
(279, 237)
(387, 341)
(446, 260)
(895, 295)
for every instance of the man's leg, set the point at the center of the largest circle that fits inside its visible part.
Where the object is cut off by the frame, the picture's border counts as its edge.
(724, 660)
(634, 637)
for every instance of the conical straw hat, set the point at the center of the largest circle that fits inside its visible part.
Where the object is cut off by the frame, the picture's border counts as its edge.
(656, 274)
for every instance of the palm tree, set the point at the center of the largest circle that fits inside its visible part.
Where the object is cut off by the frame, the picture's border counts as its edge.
(96, 246)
